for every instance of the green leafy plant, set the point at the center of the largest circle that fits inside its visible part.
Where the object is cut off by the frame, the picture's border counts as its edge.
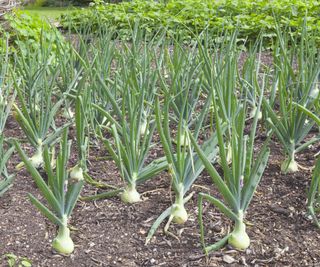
(294, 85)
(185, 17)
(16, 261)
(38, 107)
(60, 191)
(184, 166)
(240, 179)
(130, 118)
(29, 32)
(313, 194)
(5, 178)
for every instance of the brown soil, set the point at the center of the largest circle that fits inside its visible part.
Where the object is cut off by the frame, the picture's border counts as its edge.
(110, 233)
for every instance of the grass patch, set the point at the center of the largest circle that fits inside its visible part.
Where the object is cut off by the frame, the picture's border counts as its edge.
(48, 12)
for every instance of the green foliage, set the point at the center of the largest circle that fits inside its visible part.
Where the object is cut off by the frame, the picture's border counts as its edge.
(29, 32)
(296, 83)
(59, 190)
(5, 178)
(7, 97)
(313, 194)
(188, 16)
(13, 260)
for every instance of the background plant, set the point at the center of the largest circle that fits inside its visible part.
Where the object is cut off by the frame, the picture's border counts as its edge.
(7, 95)
(182, 17)
(6, 100)
(30, 32)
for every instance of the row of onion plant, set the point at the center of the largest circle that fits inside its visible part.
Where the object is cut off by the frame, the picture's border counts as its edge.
(129, 117)
(34, 82)
(296, 74)
(7, 97)
(123, 95)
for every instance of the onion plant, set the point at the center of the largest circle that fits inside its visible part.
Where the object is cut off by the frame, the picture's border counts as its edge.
(5, 178)
(59, 190)
(294, 85)
(181, 76)
(220, 70)
(6, 93)
(82, 136)
(71, 77)
(129, 148)
(249, 79)
(240, 179)
(37, 106)
(104, 54)
(183, 164)
(7, 97)
(130, 120)
(313, 194)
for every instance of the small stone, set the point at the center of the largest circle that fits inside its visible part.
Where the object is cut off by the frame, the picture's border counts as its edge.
(228, 259)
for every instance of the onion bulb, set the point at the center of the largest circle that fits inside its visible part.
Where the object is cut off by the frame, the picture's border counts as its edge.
(253, 113)
(37, 159)
(130, 195)
(76, 173)
(144, 124)
(178, 211)
(289, 166)
(315, 92)
(63, 242)
(239, 238)
(179, 214)
(184, 139)
(68, 113)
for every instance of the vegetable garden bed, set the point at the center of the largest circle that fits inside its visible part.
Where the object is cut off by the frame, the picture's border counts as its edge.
(118, 143)
(110, 233)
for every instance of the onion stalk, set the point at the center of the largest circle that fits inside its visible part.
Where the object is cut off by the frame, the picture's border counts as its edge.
(181, 81)
(240, 178)
(293, 84)
(82, 136)
(36, 111)
(130, 120)
(313, 194)
(61, 192)
(5, 178)
(184, 166)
